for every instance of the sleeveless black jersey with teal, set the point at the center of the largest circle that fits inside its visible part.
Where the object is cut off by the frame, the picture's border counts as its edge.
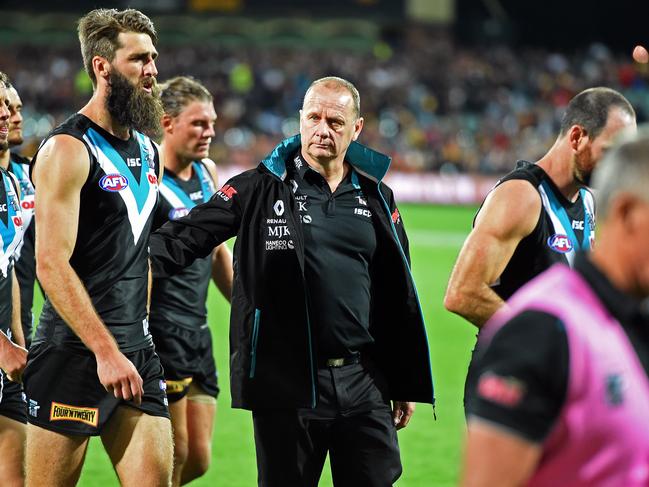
(180, 299)
(25, 261)
(11, 232)
(111, 252)
(563, 228)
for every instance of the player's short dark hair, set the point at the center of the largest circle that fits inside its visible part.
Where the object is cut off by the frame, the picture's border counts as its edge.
(176, 93)
(590, 109)
(98, 31)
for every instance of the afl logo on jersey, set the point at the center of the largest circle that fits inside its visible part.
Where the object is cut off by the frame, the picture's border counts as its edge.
(176, 213)
(113, 182)
(560, 243)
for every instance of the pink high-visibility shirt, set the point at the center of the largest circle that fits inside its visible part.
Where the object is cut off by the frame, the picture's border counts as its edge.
(601, 437)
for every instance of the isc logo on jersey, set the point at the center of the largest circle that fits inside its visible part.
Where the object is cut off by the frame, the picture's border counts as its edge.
(176, 213)
(113, 182)
(560, 243)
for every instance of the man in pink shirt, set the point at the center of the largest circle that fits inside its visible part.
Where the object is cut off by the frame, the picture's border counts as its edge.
(562, 385)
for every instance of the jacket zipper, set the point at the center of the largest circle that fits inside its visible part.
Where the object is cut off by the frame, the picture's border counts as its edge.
(253, 348)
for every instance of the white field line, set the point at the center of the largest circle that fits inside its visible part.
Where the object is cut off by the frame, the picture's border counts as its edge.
(432, 238)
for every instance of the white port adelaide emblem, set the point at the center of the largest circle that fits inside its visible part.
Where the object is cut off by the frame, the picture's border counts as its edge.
(278, 207)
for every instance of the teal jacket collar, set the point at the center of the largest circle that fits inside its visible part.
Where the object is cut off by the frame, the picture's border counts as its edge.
(368, 162)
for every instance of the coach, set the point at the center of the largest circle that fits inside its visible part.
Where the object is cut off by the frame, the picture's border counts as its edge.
(326, 326)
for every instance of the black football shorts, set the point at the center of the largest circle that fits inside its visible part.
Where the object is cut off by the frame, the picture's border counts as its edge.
(64, 393)
(187, 358)
(12, 399)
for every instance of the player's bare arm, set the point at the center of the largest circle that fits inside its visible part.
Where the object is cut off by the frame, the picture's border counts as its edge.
(222, 273)
(62, 169)
(509, 214)
(16, 324)
(495, 456)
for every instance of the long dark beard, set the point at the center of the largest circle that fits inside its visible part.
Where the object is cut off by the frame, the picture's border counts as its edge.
(132, 107)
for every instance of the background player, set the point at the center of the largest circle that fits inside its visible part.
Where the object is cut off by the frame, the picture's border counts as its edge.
(12, 355)
(19, 167)
(538, 214)
(562, 393)
(92, 369)
(178, 316)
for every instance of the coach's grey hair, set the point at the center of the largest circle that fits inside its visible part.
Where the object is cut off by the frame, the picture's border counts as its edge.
(624, 169)
(336, 82)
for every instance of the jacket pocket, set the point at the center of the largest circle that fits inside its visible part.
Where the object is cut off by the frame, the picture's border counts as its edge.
(253, 342)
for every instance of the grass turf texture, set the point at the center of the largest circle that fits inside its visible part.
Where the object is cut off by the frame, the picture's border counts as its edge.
(430, 450)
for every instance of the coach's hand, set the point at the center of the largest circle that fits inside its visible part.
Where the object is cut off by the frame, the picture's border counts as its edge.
(13, 359)
(119, 376)
(401, 413)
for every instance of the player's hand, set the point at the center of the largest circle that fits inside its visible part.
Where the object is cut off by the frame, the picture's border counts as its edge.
(118, 375)
(401, 413)
(13, 359)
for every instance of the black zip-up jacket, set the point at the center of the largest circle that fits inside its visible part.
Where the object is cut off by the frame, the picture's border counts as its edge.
(272, 355)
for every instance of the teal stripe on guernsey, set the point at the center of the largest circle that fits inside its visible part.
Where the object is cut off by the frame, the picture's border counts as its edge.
(562, 215)
(178, 191)
(139, 190)
(586, 240)
(202, 177)
(17, 169)
(8, 231)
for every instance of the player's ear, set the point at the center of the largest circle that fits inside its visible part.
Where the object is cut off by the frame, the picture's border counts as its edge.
(101, 67)
(167, 123)
(578, 138)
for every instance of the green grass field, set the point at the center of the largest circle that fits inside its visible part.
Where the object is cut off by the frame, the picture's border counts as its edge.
(431, 450)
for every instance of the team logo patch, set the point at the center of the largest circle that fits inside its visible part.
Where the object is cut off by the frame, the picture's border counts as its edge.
(505, 391)
(65, 412)
(18, 221)
(176, 213)
(560, 243)
(396, 217)
(227, 192)
(113, 183)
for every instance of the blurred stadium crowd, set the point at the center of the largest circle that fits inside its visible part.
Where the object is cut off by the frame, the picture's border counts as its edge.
(430, 103)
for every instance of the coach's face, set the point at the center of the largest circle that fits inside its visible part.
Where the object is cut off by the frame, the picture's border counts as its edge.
(586, 159)
(328, 123)
(4, 117)
(190, 132)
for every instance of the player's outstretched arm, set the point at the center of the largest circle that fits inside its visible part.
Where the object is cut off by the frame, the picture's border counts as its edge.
(509, 214)
(60, 172)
